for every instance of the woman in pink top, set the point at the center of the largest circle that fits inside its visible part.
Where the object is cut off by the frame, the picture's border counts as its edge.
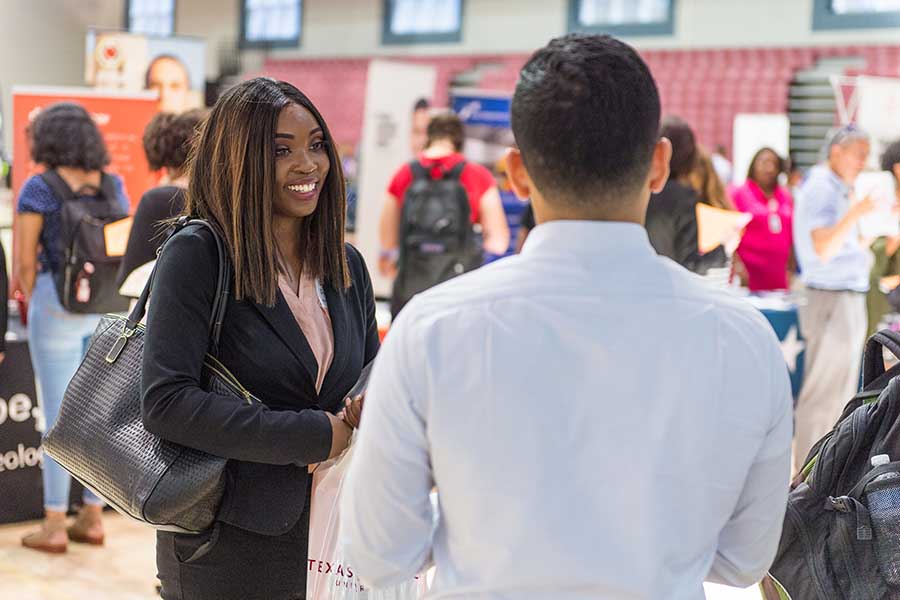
(765, 249)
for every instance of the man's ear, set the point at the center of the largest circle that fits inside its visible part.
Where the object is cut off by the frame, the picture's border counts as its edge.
(518, 176)
(659, 165)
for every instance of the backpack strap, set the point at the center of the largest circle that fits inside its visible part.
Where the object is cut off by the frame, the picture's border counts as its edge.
(873, 356)
(456, 171)
(419, 171)
(109, 189)
(59, 186)
(65, 194)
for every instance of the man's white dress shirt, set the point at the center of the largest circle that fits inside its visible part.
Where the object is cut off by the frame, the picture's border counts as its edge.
(599, 423)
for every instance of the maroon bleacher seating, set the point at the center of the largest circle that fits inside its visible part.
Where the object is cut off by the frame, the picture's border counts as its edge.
(707, 87)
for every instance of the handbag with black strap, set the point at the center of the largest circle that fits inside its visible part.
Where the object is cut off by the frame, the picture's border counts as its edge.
(99, 436)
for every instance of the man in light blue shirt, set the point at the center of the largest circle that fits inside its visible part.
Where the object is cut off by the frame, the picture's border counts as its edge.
(835, 264)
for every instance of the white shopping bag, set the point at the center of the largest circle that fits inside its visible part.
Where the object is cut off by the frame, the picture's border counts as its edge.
(329, 577)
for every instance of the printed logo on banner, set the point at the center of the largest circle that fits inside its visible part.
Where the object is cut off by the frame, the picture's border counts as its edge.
(21, 424)
(18, 409)
(482, 110)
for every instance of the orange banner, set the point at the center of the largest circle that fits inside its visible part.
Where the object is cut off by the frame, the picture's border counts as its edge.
(121, 118)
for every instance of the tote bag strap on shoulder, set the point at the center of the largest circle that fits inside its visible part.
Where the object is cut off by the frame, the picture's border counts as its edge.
(223, 285)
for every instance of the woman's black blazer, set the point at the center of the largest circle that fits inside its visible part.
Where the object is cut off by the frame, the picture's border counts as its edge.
(271, 443)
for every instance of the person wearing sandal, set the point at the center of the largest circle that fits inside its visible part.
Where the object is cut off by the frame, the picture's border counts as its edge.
(63, 139)
(298, 330)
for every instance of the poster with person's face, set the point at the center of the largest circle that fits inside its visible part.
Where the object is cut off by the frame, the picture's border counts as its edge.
(173, 67)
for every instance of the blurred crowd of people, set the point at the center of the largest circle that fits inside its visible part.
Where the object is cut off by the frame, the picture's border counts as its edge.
(301, 328)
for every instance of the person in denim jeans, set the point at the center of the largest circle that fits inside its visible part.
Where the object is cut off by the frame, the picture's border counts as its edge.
(63, 138)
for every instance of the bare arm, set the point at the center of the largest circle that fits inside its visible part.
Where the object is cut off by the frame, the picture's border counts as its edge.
(827, 241)
(493, 221)
(27, 235)
(389, 234)
(892, 245)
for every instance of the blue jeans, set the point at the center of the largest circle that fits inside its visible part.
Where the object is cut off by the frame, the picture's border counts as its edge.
(57, 340)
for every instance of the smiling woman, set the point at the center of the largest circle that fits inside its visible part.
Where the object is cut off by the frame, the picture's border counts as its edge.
(264, 130)
(299, 328)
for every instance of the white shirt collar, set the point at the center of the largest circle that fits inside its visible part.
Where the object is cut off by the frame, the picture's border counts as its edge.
(589, 238)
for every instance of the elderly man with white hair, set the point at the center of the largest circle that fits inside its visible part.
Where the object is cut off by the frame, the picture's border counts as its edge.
(835, 263)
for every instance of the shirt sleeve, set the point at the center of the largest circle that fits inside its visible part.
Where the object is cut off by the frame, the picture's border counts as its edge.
(400, 183)
(743, 200)
(821, 207)
(386, 512)
(36, 197)
(477, 180)
(143, 239)
(749, 541)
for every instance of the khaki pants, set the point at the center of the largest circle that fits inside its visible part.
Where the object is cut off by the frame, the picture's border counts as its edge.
(834, 325)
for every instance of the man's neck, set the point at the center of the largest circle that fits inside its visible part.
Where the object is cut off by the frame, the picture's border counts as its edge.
(627, 214)
(439, 149)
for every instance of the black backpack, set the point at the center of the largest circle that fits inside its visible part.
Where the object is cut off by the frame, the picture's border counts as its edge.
(437, 240)
(86, 279)
(841, 535)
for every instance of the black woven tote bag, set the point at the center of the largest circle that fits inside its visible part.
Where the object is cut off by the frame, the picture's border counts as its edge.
(99, 436)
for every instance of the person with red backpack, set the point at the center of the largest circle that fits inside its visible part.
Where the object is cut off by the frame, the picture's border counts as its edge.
(427, 229)
(62, 269)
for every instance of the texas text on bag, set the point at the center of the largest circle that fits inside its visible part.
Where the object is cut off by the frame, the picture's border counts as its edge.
(437, 240)
(86, 280)
(841, 536)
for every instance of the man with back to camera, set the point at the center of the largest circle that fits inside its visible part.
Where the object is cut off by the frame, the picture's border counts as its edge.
(442, 158)
(835, 263)
(632, 441)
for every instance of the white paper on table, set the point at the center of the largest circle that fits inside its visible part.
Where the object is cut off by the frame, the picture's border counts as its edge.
(883, 221)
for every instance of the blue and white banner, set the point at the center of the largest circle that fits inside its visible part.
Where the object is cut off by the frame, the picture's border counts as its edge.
(482, 109)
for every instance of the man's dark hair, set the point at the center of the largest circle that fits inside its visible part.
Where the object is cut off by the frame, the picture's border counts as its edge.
(684, 146)
(585, 116)
(891, 156)
(421, 104)
(168, 139)
(447, 127)
(65, 135)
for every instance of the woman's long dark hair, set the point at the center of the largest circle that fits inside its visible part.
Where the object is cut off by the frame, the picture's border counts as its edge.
(232, 185)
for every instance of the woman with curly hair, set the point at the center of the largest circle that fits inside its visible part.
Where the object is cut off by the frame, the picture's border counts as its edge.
(167, 143)
(64, 140)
